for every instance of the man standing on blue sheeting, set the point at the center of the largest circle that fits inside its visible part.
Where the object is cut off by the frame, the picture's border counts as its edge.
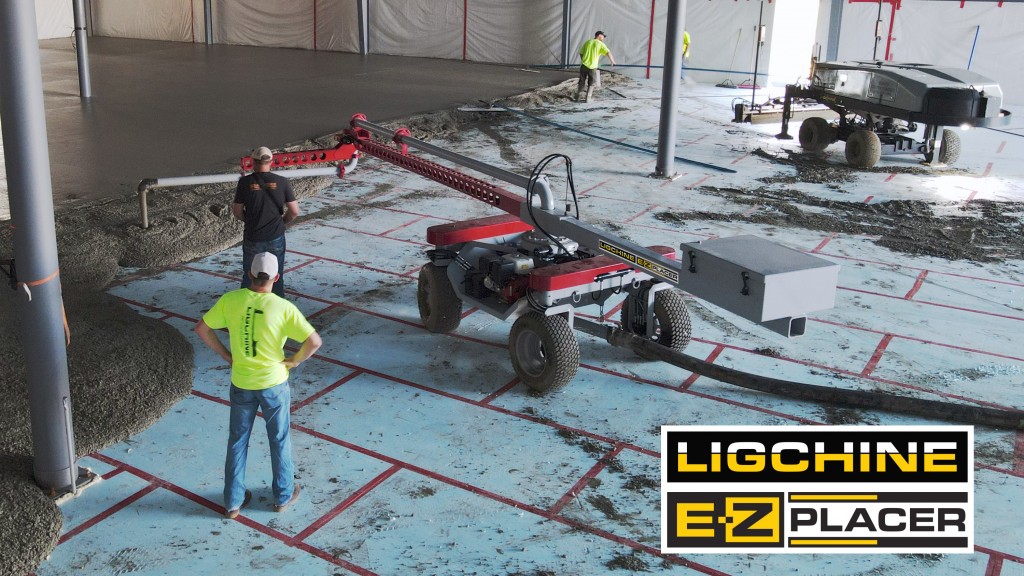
(259, 323)
(265, 202)
(590, 58)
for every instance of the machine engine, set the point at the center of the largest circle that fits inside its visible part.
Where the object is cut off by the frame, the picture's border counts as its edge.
(506, 273)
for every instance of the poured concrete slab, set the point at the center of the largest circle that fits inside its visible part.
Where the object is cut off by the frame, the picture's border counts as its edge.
(162, 109)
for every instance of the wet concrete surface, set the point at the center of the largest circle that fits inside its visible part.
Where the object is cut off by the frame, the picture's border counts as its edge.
(162, 109)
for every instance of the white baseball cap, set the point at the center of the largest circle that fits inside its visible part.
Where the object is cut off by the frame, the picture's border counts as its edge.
(264, 263)
(262, 154)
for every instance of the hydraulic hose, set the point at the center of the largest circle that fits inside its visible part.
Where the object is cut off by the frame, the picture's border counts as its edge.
(933, 409)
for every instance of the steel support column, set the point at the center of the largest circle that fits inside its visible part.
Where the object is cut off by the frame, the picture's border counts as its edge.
(363, 16)
(759, 35)
(35, 246)
(88, 16)
(208, 16)
(566, 31)
(835, 21)
(670, 88)
(82, 48)
(878, 31)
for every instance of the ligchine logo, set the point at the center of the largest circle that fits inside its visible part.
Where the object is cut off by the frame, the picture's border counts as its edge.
(817, 488)
(788, 455)
(653, 267)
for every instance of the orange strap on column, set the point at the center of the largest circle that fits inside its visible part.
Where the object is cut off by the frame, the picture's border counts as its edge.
(63, 312)
(42, 280)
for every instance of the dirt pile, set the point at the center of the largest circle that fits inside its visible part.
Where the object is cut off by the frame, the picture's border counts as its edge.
(447, 125)
(815, 168)
(124, 371)
(982, 230)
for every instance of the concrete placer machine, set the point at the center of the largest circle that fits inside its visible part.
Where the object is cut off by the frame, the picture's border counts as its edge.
(880, 105)
(538, 265)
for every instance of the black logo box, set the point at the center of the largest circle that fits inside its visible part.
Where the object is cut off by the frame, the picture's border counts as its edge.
(713, 527)
(759, 520)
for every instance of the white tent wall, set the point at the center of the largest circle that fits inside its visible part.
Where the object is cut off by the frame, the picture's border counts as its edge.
(337, 25)
(306, 24)
(264, 23)
(627, 24)
(429, 28)
(857, 35)
(529, 31)
(657, 33)
(723, 39)
(514, 31)
(793, 33)
(147, 19)
(55, 19)
(821, 30)
(943, 33)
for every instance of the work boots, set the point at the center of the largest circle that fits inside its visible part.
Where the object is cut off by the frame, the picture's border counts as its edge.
(584, 96)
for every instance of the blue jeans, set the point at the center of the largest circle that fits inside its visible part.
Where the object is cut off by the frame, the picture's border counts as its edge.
(276, 405)
(251, 249)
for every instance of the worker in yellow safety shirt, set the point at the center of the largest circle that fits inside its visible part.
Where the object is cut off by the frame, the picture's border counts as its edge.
(590, 58)
(686, 54)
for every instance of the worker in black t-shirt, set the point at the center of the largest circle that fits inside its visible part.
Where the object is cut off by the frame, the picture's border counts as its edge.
(265, 202)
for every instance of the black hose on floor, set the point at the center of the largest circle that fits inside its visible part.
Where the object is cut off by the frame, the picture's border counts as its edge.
(933, 409)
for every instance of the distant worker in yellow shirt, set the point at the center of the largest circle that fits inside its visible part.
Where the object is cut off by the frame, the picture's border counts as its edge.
(590, 58)
(686, 54)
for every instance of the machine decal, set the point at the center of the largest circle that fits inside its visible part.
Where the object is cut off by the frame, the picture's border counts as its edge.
(652, 267)
(882, 88)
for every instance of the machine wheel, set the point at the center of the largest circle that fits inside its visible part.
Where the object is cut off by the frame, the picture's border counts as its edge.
(544, 350)
(673, 328)
(816, 134)
(440, 307)
(863, 149)
(950, 151)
